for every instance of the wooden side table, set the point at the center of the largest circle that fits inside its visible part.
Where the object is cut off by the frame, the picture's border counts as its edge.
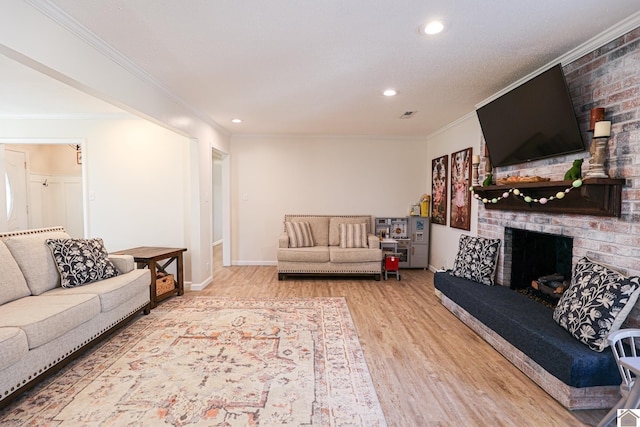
(150, 257)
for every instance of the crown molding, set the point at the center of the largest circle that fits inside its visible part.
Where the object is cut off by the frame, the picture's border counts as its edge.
(52, 11)
(453, 124)
(68, 141)
(69, 116)
(621, 28)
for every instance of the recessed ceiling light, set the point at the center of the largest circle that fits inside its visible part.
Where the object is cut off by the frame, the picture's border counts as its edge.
(390, 92)
(236, 120)
(431, 28)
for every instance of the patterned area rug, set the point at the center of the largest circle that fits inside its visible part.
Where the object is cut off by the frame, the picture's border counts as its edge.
(216, 362)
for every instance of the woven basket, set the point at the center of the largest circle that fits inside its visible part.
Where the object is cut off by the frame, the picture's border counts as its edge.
(165, 284)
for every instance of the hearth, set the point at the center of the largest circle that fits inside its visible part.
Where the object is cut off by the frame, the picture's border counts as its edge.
(532, 255)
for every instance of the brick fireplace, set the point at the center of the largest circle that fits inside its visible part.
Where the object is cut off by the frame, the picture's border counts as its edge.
(530, 255)
(607, 77)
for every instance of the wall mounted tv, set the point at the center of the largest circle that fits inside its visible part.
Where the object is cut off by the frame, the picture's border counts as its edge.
(536, 120)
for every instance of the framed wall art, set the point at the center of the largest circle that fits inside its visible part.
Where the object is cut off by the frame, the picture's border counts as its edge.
(439, 170)
(460, 194)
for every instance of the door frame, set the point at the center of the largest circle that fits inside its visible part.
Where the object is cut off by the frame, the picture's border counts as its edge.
(225, 159)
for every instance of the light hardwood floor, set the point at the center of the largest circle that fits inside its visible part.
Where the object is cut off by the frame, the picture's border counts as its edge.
(428, 368)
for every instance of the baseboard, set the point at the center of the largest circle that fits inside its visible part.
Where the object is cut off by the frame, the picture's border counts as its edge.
(200, 286)
(254, 263)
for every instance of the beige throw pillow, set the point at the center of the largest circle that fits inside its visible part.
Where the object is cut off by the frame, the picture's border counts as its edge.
(353, 236)
(35, 261)
(299, 234)
(12, 283)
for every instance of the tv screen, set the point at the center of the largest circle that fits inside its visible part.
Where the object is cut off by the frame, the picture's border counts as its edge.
(536, 120)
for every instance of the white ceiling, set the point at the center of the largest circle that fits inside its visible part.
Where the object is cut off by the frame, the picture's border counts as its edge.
(319, 67)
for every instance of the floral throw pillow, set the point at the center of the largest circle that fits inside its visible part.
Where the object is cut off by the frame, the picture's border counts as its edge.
(477, 259)
(597, 302)
(81, 261)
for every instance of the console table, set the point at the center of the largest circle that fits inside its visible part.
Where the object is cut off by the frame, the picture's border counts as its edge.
(150, 257)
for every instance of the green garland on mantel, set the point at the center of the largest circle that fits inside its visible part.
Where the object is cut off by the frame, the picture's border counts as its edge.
(528, 199)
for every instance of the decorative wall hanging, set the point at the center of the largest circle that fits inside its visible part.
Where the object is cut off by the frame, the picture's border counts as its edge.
(439, 169)
(460, 196)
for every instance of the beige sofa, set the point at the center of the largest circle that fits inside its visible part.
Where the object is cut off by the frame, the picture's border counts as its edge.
(326, 256)
(42, 325)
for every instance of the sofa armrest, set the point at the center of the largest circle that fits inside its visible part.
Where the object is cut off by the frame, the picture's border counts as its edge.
(373, 240)
(283, 240)
(123, 263)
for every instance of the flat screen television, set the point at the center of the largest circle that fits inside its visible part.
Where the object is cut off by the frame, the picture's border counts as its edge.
(534, 121)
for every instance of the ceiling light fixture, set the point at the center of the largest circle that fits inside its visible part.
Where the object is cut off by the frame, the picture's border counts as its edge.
(431, 28)
(390, 92)
(236, 121)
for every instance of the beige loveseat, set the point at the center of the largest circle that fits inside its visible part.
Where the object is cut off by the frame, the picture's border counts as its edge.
(336, 248)
(42, 325)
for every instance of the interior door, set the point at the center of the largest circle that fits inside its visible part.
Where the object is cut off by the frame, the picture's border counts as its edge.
(16, 189)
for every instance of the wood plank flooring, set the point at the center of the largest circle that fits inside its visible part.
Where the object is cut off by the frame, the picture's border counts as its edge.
(428, 368)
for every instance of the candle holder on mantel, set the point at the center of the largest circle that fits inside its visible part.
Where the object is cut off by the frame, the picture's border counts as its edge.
(601, 134)
(475, 181)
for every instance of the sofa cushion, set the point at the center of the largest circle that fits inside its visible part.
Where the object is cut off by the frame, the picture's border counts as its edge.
(12, 283)
(299, 233)
(355, 255)
(596, 303)
(81, 261)
(319, 227)
(13, 346)
(476, 259)
(529, 326)
(112, 292)
(314, 254)
(353, 235)
(123, 263)
(45, 318)
(334, 226)
(34, 258)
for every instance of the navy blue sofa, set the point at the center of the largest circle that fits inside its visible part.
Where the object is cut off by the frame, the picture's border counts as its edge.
(529, 326)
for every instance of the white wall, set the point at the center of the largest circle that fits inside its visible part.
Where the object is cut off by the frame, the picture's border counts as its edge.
(136, 178)
(56, 203)
(278, 175)
(462, 134)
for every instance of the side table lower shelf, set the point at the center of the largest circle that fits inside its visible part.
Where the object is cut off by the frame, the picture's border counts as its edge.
(150, 257)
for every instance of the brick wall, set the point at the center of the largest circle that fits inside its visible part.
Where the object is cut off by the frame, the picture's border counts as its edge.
(608, 77)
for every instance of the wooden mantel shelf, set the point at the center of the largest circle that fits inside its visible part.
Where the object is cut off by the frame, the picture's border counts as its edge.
(596, 196)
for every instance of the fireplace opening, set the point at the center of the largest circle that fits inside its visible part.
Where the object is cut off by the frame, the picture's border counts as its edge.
(534, 255)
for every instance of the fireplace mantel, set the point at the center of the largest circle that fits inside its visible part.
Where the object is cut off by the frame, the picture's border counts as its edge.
(596, 196)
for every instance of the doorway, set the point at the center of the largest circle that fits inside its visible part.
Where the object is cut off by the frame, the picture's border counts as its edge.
(220, 216)
(43, 184)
